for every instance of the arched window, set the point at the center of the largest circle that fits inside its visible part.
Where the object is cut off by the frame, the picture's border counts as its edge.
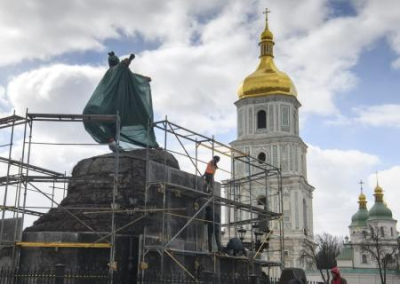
(261, 119)
(261, 157)
(382, 232)
(364, 258)
(391, 231)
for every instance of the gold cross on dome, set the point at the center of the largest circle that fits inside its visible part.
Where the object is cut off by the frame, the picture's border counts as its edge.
(361, 184)
(266, 12)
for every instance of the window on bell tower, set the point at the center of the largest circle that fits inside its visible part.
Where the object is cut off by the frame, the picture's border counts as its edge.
(284, 116)
(261, 119)
(261, 157)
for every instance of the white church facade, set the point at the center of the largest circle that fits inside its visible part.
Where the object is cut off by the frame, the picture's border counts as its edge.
(356, 264)
(268, 129)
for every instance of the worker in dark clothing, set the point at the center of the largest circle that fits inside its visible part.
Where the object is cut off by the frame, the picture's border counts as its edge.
(210, 172)
(235, 247)
(213, 223)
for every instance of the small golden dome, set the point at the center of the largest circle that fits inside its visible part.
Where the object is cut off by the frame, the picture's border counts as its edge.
(378, 189)
(362, 200)
(378, 193)
(267, 79)
(266, 34)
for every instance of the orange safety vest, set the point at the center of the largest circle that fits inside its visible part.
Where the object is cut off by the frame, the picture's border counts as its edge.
(211, 168)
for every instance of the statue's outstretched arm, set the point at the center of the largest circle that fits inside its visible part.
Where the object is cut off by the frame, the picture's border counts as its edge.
(127, 61)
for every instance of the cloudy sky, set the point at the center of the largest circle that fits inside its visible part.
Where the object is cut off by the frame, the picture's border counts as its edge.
(344, 57)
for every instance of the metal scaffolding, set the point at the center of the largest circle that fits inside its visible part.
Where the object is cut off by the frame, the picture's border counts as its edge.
(25, 176)
(22, 178)
(233, 201)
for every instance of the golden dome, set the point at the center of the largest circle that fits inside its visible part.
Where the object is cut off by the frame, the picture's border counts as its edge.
(266, 34)
(378, 189)
(378, 193)
(362, 200)
(267, 79)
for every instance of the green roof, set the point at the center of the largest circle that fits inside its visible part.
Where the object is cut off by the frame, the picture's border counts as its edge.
(345, 254)
(380, 211)
(360, 218)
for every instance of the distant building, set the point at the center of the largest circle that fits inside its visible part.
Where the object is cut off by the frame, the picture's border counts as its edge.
(358, 266)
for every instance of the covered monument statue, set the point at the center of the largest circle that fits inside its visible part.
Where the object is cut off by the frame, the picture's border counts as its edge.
(128, 94)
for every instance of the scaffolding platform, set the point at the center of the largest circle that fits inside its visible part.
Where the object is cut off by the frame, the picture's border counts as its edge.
(21, 210)
(11, 121)
(174, 242)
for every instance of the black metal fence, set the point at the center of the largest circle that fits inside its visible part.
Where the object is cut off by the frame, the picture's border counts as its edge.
(62, 275)
(57, 275)
(212, 279)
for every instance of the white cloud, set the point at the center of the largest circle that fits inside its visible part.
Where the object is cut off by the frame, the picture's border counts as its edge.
(379, 115)
(55, 89)
(4, 104)
(210, 46)
(48, 28)
(335, 174)
(387, 115)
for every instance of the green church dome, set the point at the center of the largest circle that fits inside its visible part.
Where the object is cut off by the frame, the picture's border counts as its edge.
(360, 218)
(379, 210)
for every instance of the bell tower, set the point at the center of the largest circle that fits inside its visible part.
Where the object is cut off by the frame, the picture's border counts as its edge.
(268, 129)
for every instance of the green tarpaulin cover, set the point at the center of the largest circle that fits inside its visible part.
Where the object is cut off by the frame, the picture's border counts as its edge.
(129, 94)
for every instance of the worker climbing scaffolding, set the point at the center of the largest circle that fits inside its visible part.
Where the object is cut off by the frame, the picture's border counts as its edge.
(209, 173)
(127, 94)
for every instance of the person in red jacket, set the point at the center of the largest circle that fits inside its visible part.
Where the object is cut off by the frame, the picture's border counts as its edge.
(210, 172)
(337, 279)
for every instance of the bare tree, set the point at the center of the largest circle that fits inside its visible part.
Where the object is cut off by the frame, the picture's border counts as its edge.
(321, 253)
(381, 249)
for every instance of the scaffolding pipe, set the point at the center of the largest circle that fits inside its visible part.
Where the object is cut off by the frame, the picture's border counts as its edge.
(14, 257)
(112, 264)
(70, 213)
(163, 238)
(189, 221)
(282, 234)
(7, 180)
(184, 149)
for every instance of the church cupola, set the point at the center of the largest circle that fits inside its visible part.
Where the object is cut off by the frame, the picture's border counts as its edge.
(360, 218)
(267, 79)
(379, 210)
